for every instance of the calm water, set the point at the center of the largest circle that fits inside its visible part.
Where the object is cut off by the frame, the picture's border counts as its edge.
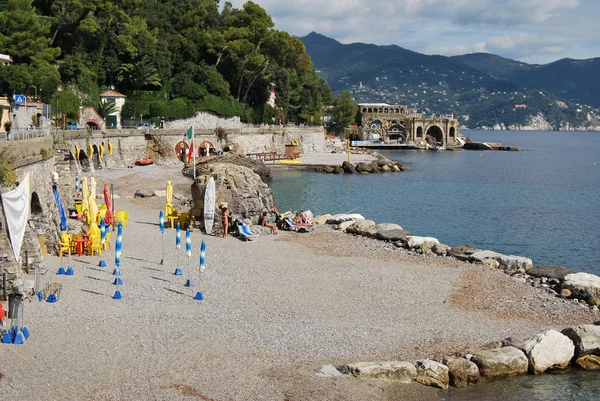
(542, 202)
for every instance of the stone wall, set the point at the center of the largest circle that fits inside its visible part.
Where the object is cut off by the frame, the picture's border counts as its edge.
(205, 120)
(25, 148)
(132, 144)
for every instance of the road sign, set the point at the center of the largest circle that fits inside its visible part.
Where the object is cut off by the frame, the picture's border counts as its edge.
(19, 99)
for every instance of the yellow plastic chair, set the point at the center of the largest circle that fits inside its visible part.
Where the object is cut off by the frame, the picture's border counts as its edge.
(107, 238)
(171, 214)
(65, 243)
(122, 216)
(95, 245)
(184, 219)
(101, 214)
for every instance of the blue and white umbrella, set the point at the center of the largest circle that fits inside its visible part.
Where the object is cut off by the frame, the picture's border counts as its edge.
(77, 184)
(188, 243)
(162, 221)
(102, 232)
(178, 236)
(202, 254)
(118, 246)
(120, 232)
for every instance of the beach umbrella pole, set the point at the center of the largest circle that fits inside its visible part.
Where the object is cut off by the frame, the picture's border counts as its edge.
(162, 261)
(199, 296)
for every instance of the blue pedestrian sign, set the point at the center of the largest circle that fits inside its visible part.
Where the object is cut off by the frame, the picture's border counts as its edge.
(19, 99)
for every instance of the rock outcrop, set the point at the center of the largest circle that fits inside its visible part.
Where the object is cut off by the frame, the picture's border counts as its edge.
(583, 286)
(500, 362)
(403, 372)
(586, 339)
(243, 190)
(431, 373)
(548, 350)
(203, 167)
(462, 372)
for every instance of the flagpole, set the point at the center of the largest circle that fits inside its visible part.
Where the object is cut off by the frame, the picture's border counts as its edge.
(193, 153)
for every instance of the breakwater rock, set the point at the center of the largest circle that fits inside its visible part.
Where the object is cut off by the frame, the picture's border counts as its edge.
(549, 350)
(202, 167)
(381, 165)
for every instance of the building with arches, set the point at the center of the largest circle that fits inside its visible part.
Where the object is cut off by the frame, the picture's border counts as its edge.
(390, 123)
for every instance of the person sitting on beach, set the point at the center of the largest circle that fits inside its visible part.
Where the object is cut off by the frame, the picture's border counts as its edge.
(301, 219)
(264, 222)
(226, 218)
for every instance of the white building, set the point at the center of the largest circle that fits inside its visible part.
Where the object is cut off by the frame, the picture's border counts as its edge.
(5, 59)
(113, 120)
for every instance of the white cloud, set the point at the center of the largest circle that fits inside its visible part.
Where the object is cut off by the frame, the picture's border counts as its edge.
(513, 28)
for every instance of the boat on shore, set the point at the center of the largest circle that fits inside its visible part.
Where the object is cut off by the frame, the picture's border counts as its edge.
(143, 162)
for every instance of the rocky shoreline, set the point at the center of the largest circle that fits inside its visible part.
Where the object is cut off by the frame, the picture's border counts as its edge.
(549, 350)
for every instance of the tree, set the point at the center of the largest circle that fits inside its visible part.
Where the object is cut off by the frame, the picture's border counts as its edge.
(106, 108)
(24, 34)
(344, 110)
(139, 75)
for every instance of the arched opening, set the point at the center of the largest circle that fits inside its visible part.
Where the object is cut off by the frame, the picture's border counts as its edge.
(419, 132)
(434, 135)
(401, 110)
(364, 110)
(36, 206)
(370, 110)
(92, 125)
(375, 124)
(452, 132)
(397, 111)
(397, 133)
(394, 122)
(381, 110)
(38, 118)
(206, 148)
(385, 110)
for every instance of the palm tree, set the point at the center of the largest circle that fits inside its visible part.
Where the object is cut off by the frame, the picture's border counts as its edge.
(140, 74)
(106, 108)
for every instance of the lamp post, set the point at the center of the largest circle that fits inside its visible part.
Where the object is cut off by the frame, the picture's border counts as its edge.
(140, 118)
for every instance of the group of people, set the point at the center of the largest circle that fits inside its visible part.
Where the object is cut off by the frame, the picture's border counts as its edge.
(300, 220)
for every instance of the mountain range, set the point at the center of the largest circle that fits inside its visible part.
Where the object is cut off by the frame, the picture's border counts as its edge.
(483, 90)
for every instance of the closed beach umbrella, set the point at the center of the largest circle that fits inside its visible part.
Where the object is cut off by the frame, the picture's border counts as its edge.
(93, 210)
(108, 217)
(102, 232)
(161, 218)
(101, 150)
(188, 242)
(93, 186)
(118, 246)
(202, 253)
(77, 184)
(84, 196)
(178, 236)
(169, 195)
(120, 232)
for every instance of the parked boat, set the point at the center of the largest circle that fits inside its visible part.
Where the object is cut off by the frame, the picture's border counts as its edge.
(143, 162)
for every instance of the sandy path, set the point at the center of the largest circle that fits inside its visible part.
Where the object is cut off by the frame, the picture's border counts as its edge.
(275, 310)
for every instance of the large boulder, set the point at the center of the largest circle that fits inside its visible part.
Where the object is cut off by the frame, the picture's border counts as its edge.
(203, 167)
(589, 362)
(321, 219)
(479, 256)
(374, 166)
(511, 264)
(462, 252)
(241, 188)
(348, 168)
(363, 168)
(392, 235)
(550, 271)
(416, 243)
(583, 286)
(461, 371)
(548, 350)
(586, 339)
(403, 372)
(339, 218)
(431, 373)
(387, 226)
(500, 362)
(364, 227)
(440, 249)
(338, 170)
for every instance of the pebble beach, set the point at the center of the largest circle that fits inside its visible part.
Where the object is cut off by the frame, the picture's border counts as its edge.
(274, 311)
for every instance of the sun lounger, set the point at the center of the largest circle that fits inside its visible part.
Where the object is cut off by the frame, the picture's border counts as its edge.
(244, 231)
(297, 227)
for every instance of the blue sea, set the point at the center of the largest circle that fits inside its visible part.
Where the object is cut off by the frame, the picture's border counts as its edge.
(542, 202)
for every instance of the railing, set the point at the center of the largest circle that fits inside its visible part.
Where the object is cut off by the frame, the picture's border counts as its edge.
(18, 134)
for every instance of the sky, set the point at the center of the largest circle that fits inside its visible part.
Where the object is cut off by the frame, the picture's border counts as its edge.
(532, 31)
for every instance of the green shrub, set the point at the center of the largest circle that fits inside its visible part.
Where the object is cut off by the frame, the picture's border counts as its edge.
(7, 175)
(46, 153)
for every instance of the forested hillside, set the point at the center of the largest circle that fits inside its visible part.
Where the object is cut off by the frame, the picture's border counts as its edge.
(482, 90)
(171, 58)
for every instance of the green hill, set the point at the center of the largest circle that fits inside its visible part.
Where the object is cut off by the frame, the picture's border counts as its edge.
(482, 89)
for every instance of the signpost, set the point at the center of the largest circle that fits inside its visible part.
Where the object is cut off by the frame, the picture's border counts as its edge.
(19, 99)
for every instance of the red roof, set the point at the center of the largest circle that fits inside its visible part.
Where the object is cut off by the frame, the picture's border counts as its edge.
(111, 94)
